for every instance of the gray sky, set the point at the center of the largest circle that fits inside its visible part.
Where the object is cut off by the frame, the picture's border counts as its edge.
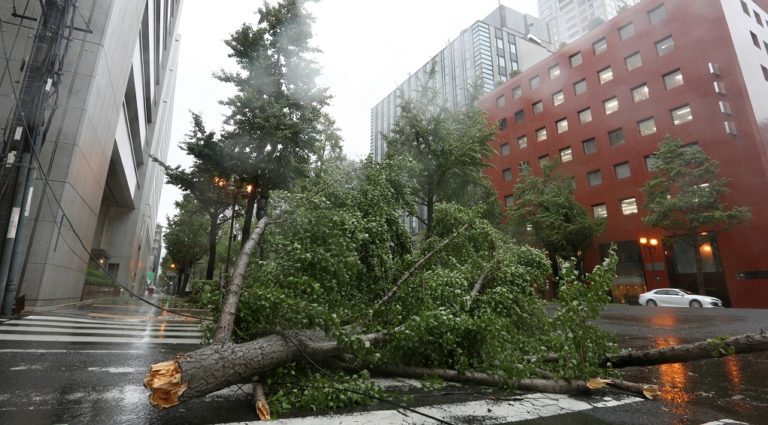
(369, 47)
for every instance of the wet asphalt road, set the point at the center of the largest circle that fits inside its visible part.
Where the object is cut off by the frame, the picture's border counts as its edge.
(101, 383)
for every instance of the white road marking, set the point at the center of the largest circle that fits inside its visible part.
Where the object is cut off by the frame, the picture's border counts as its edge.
(19, 350)
(136, 332)
(68, 338)
(108, 322)
(102, 325)
(118, 369)
(487, 412)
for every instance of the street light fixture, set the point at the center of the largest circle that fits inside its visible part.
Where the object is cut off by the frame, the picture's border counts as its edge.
(650, 244)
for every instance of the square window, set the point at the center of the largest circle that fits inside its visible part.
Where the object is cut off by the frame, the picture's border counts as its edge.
(589, 146)
(599, 211)
(719, 87)
(633, 61)
(566, 154)
(673, 79)
(605, 75)
(558, 98)
(755, 40)
(562, 125)
(594, 178)
(616, 137)
(650, 162)
(657, 15)
(538, 107)
(647, 126)
(517, 91)
(622, 170)
(554, 71)
(576, 60)
(504, 149)
(585, 116)
(580, 86)
(757, 19)
(764, 45)
(629, 206)
(524, 166)
(541, 134)
(725, 107)
(640, 93)
(509, 201)
(519, 116)
(714, 69)
(600, 46)
(611, 105)
(500, 101)
(744, 7)
(627, 31)
(665, 46)
(507, 174)
(535, 82)
(522, 142)
(765, 72)
(543, 160)
(730, 128)
(502, 124)
(682, 115)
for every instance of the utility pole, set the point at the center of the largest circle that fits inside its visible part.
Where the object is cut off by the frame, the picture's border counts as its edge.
(26, 136)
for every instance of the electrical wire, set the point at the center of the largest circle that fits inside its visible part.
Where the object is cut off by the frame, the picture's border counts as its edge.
(364, 394)
(47, 182)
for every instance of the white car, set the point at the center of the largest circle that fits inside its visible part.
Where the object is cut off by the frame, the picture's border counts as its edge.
(672, 297)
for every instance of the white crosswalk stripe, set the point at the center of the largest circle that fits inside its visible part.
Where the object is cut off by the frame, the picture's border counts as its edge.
(72, 329)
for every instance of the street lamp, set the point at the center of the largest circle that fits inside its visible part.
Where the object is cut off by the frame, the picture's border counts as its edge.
(246, 190)
(650, 244)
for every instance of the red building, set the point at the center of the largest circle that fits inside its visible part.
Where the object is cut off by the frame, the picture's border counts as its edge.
(697, 71)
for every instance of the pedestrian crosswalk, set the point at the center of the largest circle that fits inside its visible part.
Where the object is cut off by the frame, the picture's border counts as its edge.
(44, 328)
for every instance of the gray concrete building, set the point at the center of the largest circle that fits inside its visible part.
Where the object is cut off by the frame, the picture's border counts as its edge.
(483, 56)
(568, 20)
(86, 97)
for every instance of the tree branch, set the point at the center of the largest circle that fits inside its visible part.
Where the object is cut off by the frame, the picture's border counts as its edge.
(416, 266)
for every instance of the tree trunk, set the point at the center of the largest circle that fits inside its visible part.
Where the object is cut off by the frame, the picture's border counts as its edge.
(555, 273)
(430, 215)
(213, 233)
(713, 348)
(218, 366)
(248, 217)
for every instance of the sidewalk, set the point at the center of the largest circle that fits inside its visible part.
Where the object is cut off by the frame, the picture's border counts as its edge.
(127, 308)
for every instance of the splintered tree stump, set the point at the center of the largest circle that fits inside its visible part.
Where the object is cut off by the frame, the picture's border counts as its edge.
(218, 366)
(260, 400)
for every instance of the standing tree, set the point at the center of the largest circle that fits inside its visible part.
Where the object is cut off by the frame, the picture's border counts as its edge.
(684, 198)
(546, 206)
(200, 181)
(185, 239)
(278, 125)
(446, 150)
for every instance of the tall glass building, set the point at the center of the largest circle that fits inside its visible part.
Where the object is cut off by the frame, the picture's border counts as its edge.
(484, 56)
(568, 20)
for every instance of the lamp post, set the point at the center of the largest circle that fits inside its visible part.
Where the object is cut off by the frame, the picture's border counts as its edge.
(246, 189)
(650, 244)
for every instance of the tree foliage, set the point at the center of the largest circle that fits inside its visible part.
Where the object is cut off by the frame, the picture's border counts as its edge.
(277, 124)
(341, 248)
(210, 162)
(545, 205)
(443, 151)
(185, 237)
(684, 197)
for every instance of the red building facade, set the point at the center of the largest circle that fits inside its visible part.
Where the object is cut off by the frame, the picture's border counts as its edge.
(603, 104)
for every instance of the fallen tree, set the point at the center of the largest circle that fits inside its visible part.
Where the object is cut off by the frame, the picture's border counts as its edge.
(711, 348)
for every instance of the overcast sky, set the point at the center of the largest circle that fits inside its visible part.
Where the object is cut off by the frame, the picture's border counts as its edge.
(369, 48)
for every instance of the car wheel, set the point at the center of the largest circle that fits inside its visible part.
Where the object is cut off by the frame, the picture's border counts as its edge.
(651, 303)
(695, 304)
